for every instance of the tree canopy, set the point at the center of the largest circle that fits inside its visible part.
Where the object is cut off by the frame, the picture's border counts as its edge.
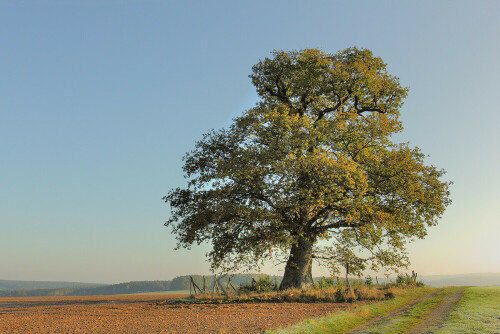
(310, 172)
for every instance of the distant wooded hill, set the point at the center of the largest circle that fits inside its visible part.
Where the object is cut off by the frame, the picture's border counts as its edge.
(176, 284)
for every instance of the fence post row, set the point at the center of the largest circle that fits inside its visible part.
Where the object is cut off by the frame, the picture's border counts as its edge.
(195, 286)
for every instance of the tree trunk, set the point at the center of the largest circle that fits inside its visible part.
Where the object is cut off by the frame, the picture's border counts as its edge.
(298, 270)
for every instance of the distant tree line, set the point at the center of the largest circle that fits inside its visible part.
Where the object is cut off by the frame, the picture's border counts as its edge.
(176, 284)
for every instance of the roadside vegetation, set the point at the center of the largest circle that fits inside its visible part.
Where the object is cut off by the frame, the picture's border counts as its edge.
(345, 321)
(477, 312)
(267, 289)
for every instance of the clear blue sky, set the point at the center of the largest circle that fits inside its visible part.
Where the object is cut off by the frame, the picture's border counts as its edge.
(99, 101)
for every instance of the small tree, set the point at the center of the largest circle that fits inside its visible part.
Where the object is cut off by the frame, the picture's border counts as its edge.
(310, 166)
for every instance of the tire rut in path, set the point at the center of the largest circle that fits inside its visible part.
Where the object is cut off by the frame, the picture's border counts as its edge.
(429, 323)
(438, 316)
(390, 315)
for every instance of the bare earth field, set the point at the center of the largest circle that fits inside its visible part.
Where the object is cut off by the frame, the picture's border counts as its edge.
(141, 314)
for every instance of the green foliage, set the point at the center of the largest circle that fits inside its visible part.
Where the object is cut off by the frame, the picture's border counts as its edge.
(405, 279)
(263, 284)
(327, 282)
(313, 160)
(369, 281)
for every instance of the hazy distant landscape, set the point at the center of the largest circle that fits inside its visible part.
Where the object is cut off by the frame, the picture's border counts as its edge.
(12, 288)
(181, 283)
(31, 285)
(483, 279)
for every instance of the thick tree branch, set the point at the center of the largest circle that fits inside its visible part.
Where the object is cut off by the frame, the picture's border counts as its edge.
(339, 104)
(283, 98)
(360, 110)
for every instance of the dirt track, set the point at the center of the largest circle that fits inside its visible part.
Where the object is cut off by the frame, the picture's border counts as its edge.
(141, 314)
(428, 324)
(438, 316)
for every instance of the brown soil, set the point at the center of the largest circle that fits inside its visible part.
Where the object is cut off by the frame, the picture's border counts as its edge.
(142, 314)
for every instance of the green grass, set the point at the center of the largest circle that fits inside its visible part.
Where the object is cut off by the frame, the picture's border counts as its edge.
(411, 317)
(343, 321)
(477, 312)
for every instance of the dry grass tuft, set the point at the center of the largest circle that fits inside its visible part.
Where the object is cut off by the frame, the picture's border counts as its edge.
(331, 294)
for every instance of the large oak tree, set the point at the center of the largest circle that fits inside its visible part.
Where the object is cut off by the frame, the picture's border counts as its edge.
(310, 171)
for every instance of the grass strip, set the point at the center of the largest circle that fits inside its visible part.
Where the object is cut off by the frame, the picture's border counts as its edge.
(411, 317)
(344, 321)
(477, 312)
(330, 294)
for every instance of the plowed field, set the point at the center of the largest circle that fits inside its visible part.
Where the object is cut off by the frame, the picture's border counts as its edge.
(142, 314)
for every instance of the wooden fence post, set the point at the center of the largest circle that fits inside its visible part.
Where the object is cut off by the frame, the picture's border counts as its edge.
(213, 287)
(232, 286)
(195, 286)
(222, 288)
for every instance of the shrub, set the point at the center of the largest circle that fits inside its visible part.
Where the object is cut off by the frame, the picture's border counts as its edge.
(407, 280)
(264, 284)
